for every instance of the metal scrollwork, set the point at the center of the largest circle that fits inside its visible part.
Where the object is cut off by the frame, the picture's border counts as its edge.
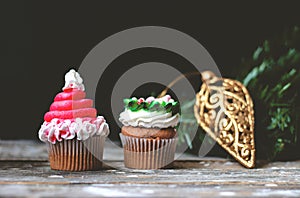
(224, 109)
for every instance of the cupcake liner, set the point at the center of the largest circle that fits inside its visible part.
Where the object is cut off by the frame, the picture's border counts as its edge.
(144, 153)
(76, 155)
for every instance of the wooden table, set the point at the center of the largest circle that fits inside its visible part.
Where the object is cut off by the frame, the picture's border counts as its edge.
(25, 172)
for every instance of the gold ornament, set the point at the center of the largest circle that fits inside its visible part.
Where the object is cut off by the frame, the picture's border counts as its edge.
(224, 109)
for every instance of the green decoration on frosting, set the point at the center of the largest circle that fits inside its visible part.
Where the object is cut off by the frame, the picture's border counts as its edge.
(133, 104)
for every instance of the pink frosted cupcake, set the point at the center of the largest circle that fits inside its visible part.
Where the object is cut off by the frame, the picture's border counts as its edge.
(73, 132)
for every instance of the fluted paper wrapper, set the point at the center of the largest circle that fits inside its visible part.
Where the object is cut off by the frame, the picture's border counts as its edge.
(143, 153)
(76, 155)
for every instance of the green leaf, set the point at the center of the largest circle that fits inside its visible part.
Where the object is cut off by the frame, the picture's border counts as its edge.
(257, 52)
(279, 119)
(255, 72)
(284, 88)
(266, 46)
(126, 101)
(264, 92)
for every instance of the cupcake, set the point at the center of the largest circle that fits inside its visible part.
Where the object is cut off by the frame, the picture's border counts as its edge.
(73, 132)
(148, 133)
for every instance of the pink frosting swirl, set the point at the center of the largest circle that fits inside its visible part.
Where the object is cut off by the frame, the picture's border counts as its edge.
(71, 115)
(70, 103)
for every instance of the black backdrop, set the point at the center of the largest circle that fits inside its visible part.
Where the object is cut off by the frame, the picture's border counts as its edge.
(42, 40)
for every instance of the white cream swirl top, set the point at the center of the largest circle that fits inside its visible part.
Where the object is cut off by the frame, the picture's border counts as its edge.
(73, 80)
(149, 119)
(79, 128)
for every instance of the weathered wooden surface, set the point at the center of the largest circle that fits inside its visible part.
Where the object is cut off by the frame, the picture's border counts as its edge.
(25, 172)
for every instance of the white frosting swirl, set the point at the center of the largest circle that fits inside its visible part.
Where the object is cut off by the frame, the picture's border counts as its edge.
(148, 119)
(73, 80)
(82, 129)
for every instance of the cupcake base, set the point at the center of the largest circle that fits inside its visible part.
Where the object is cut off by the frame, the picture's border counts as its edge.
(76, 155)
(145, 153)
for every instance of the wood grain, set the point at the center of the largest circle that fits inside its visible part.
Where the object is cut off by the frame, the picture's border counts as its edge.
(189, 177)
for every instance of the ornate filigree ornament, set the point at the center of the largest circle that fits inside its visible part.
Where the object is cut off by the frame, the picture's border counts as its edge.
(224, 109)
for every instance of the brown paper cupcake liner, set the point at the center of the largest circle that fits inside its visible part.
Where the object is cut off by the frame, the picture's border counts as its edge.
(143, 153)
(76, 155)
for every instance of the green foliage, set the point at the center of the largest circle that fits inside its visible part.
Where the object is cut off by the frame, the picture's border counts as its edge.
(273, 83)
(280, 119)
(188, 121)
(190, 127)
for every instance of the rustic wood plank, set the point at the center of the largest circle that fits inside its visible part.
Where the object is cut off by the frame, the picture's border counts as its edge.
(206, 177)
(23, 150)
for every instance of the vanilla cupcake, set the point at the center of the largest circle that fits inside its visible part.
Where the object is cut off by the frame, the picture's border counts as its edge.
(149, 132)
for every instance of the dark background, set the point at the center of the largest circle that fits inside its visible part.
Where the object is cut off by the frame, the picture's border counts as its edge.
(40, 41)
